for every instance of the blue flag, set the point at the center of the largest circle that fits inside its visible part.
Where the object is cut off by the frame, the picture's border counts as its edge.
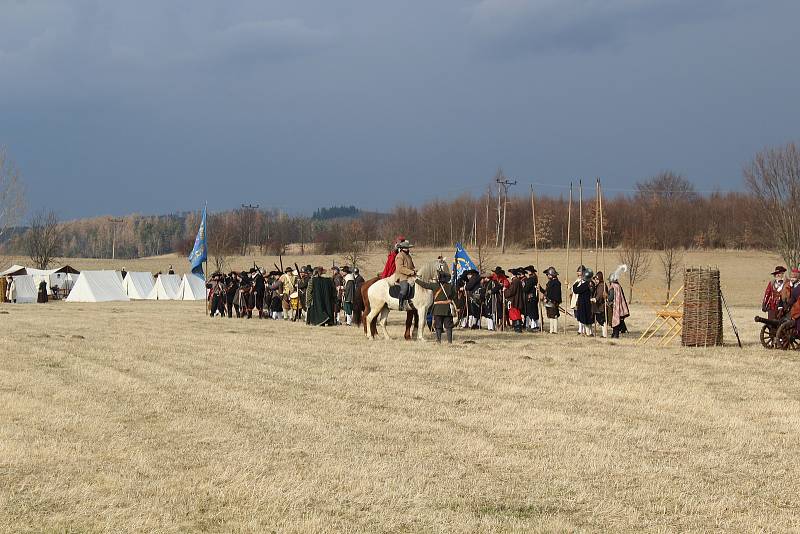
(461, 261)
(200, 250)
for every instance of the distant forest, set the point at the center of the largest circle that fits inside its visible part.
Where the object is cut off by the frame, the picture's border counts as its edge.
(663, 212)
(336, 212)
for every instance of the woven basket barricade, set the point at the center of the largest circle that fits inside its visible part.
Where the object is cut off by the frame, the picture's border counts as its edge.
(702, 308)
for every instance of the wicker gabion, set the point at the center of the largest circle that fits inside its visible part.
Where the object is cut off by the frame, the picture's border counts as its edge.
(702, 308)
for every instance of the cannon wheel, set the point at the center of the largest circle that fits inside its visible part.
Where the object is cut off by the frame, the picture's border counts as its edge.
(767, 337)
(785, 338)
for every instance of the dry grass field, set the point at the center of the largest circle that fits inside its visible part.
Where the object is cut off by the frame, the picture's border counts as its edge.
(151, 417)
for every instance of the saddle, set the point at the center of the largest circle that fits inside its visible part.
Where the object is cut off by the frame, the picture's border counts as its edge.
(394, 291)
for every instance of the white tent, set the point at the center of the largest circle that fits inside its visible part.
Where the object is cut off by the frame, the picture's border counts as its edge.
(14, 270)
(26, 289)
(62, 277)
(192, 287)
(165, 288)
(97, 286)
(138, 285)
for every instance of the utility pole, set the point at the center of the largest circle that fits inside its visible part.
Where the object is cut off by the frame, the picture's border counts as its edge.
(114, 222)
(249, 209)
(503, 184)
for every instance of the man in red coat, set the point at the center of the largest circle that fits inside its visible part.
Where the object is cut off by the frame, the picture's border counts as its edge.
(773, 304)
(388, 269)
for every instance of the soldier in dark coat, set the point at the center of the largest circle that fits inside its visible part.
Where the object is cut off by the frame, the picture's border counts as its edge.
(530, 286)
(515, 295)
(599, 300)
(231, 290)
(583, 310)
(444, 294)
(259, 287)
(552, 298)
(216, 294)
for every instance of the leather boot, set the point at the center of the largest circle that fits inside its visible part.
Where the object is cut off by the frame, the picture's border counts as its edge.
(450, 335)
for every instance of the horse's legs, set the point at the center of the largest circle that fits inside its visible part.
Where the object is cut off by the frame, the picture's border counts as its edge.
(409, 321)
(421, 331)
(384, 316)
(371, 317)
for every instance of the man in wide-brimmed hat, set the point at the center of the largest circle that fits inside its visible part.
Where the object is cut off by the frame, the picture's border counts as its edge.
(531, 287)
(552, 298)
(773, 302)
(404, 270)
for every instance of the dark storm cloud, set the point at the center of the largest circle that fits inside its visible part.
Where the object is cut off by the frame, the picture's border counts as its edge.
(154, 106)
(518, 26)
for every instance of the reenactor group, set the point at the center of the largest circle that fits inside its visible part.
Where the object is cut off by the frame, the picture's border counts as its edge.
(283, 295)
(517, 301)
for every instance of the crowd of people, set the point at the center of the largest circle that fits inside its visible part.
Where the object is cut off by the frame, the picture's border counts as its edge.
(294, 294)
(497, 300)
(516, 300)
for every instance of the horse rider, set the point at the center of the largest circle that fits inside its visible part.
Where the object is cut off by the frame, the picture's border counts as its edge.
(403, 270)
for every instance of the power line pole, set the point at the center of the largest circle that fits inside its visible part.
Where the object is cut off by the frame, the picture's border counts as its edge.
(503, 184)
(114, 223)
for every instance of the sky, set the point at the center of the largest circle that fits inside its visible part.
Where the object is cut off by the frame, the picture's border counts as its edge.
(159, 106)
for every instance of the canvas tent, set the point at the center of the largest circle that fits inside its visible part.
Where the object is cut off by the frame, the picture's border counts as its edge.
(138, 285)
(165, 288)
(63, 277)
(26, 289)
(192, 287)
(14, 270)
(97, 286)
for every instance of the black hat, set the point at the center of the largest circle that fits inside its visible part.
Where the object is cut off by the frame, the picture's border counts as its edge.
(516, 272)
(499, 271)
(531, 269)
(346, 269)
(780, 269)
(252, 270)
(288, 270)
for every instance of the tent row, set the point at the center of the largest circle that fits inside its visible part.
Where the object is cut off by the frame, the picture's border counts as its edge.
(106, 286)
(62, 278)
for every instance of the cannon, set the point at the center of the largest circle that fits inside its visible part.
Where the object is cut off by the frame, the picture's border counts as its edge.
(778, 333)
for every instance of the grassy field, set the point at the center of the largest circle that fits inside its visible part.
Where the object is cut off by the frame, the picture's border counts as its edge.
(151, 417)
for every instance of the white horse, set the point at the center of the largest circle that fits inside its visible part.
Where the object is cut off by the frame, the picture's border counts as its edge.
(380, 301)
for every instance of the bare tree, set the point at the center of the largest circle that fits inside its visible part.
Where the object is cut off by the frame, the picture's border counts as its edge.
(12, 197)
(221, 242)
(671, 260)
(354, 245)
(634, 255)
(42, 240)
(773, 177)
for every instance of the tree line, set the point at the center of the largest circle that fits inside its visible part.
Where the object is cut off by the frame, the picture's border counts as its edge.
(663, 213)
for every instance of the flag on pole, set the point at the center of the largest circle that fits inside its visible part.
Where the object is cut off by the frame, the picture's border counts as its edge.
(200, 251)
(461, 261)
